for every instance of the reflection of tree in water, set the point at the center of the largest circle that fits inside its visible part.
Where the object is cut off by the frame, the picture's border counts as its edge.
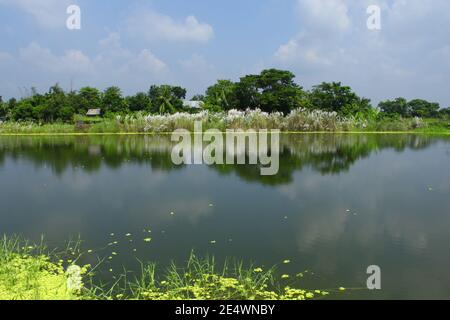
(325, 153)
(88, 153)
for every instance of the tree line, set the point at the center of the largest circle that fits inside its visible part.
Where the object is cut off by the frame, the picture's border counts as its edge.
(272, 91)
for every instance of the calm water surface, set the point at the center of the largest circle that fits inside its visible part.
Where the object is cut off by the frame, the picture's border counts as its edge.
(339, 204)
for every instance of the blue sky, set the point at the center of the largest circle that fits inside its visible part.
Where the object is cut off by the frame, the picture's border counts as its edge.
(134, 44)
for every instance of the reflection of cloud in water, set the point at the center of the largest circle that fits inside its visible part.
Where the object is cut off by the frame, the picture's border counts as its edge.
(393, 217)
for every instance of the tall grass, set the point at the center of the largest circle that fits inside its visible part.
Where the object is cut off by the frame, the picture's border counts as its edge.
(297, 120)
(300, 120)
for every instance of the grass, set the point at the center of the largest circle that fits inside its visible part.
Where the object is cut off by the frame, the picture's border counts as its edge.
(298, 121)
(32, 272)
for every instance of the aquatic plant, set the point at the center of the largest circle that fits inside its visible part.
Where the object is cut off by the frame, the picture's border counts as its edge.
(203, 279)
(30, 272)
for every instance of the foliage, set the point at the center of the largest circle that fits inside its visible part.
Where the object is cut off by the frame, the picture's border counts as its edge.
(414, 108)
(140, 101)
(334, 97)
(166, 99)
(221, 96)
(112, 100)
(27, 273)
(88, 98)
(271, 91)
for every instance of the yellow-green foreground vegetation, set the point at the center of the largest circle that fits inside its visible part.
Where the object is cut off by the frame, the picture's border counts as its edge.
(30, 272)
(26, 273)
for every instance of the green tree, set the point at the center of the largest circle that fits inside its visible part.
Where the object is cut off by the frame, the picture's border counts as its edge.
(23, 111)
(3, 109)
(272, 90)
(338, 98)
(166, 99)
(397, 107)
(113, 101)
(221, 96)
(57, 105)
(198, 97)
(423, 109)
(10, 106)
(88, 98)
(139, 102)
(279, 91)
(444, 112)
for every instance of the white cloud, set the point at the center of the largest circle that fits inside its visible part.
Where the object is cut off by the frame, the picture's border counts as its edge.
(334, 44)
(48, 13)
(324, 15)
(146, 61)
(293, 51)
(151, 25)
(41, 67)
(113, 55)
(196, 63)
(73, 61)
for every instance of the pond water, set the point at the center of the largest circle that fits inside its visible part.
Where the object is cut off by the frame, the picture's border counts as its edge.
(339, 204)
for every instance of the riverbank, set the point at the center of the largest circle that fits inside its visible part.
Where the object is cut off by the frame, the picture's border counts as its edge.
(299, 121)
(33, 272)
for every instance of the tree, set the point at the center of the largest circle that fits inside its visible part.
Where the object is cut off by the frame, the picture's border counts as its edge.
(166, 99)
(444, 112)
(414, 108)
(397, 107)
(23, 111)
(272, 90)
(139, 102)
(11, 105)
(198, 97)
(59, 105)
(88, 98)
(338, 98)
(3, 109)
(221, 96)
(423, 109)
(112, 100)
(279, 91)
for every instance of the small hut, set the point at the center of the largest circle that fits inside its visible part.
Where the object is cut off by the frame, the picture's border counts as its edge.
(94, 113)
(193, 104)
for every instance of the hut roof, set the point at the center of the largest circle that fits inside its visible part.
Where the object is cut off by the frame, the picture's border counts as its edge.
(193, 104)
(94, 112)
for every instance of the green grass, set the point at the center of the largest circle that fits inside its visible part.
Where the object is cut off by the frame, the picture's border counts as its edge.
(32, 272)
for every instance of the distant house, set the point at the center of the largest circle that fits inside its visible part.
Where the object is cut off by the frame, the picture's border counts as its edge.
(193, 104)
(94, 112)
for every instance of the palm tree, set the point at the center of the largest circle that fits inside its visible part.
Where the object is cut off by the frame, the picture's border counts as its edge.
(164, 100)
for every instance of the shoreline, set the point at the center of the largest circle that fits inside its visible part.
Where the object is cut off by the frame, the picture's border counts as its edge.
(224, 132)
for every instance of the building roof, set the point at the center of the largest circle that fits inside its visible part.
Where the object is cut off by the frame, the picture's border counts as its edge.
(94, 112)
(193, 104)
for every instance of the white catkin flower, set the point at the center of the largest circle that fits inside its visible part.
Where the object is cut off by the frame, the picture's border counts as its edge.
(74, 279)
